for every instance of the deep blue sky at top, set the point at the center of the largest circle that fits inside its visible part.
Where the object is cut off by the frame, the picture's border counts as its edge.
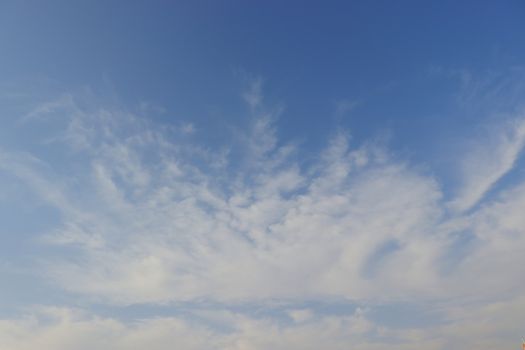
(192, 57)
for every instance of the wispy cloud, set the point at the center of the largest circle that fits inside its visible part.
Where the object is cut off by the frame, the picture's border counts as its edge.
(493, 325)
(253, 95)
(153, 219)
(489, 159)
(273, 228)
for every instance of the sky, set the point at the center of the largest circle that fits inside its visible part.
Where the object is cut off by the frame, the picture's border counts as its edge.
(246, 175)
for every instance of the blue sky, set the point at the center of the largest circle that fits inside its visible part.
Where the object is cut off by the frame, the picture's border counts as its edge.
(262, 175)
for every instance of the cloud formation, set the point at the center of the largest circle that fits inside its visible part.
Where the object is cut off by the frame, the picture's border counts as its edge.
(488, 161)
(150, 216)
(486, 327)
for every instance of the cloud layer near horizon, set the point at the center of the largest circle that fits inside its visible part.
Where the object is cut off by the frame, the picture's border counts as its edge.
(149, 215)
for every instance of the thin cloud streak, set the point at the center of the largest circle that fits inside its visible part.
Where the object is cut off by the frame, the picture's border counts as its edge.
(488, 161)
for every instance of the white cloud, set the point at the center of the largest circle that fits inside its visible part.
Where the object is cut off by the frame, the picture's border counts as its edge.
(300, 315)
(186, 237)
(489, 160)
(253, 95)
(493, 325)
(155, 218)
(155, 226)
